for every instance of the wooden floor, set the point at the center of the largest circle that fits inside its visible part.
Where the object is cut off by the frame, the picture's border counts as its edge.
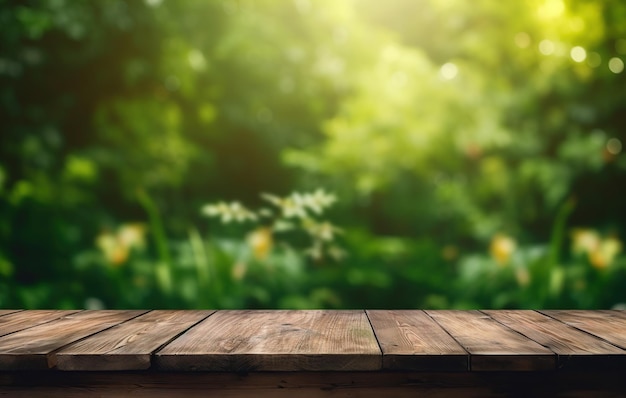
(572, 351)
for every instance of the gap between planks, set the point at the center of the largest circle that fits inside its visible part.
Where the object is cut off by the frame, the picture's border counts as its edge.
(129, 345)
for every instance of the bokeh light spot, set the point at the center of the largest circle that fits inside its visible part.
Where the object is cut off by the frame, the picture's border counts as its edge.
(196, 60)
(449, 71)
(522, 40)
(578, 54)
(551, 9)
(546, 47)
(614, 146)
(616, 65)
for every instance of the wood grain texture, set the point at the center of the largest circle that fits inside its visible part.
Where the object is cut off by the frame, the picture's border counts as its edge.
(275, 341)
(609, 325)
(17, 321)
(248, 341)
(617, 313)
(574, 348)
(127, 346)
(492, 346)
(29, 348)
(411, 340)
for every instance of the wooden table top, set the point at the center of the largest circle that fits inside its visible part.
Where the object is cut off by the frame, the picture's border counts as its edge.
(316, 340)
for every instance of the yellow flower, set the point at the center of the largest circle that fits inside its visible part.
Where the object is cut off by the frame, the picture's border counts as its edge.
(585, 240)
(606, 252)
(501, 248)
(116, 247)
(132, 235)
(110, 246)
(600, 252)
(261, 242)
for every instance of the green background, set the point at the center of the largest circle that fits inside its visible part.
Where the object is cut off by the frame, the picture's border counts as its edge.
(473, 150)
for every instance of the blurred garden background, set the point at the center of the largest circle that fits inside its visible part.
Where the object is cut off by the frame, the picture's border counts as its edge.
(312, 154)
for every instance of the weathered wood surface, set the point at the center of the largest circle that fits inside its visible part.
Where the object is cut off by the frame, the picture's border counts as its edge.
(412, 340)
(574, 348)
(345, 341)
(29, 348)
(275, 341)
(609, 325)
(128, 346)
(16, 321)
(491, 345)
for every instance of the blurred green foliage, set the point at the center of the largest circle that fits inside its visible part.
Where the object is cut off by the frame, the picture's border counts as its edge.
(474, 150)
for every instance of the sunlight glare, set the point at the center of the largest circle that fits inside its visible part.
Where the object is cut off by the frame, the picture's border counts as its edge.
(551, 9)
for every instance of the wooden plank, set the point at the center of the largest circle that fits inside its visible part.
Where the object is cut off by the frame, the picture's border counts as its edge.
(492, 346)
(575, 349)
(127, 346)
(279, 340)
(17, 321)
(411, 340)
(609, 325)
(29, 348)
